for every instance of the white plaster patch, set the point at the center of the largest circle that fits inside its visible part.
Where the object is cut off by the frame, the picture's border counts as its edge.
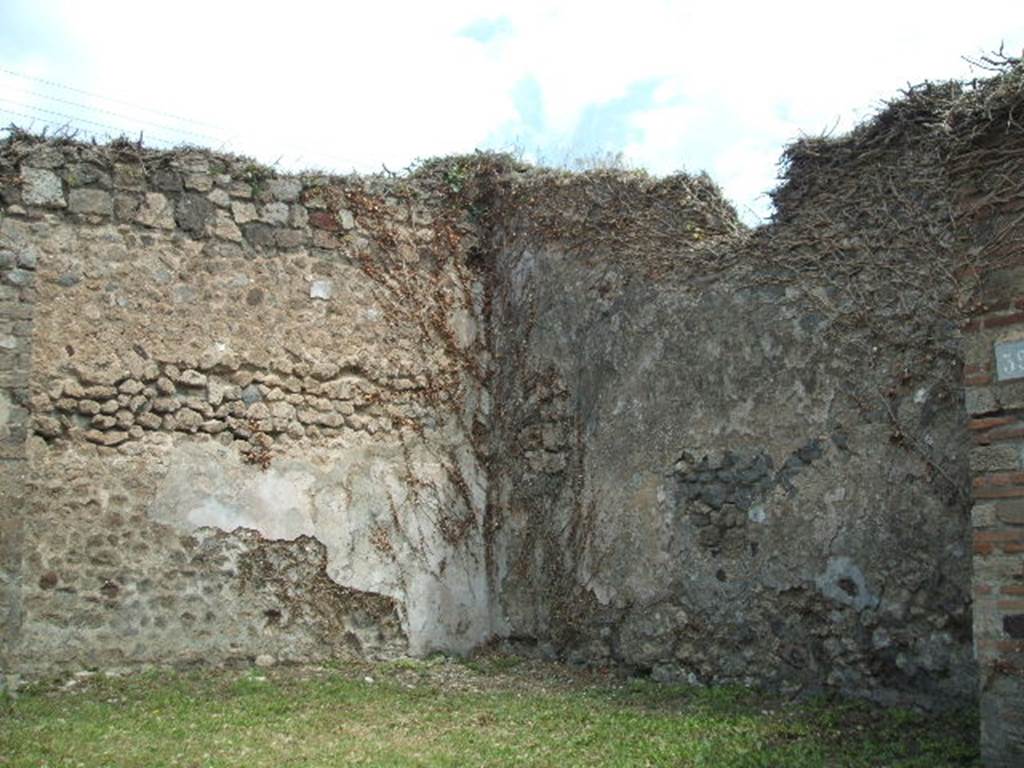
(211, 513)
(216, 492)
(844, 582)
(464, 325)
(321, 289)
(5, 412)
(521, 274)
(344, 500)
(603, 593)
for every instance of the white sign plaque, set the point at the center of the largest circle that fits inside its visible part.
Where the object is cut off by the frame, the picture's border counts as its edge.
(1009, 360)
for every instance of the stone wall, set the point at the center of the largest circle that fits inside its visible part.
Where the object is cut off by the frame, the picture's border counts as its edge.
(17, 293)
(710, 468)
(253, 401)
(590, 414)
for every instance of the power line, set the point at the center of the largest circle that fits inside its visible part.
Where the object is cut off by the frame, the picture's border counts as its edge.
(31, 121)
(76, 121)
(73, 120)
(123, 116)
(70, 120)
(32, 118)
(62, 86)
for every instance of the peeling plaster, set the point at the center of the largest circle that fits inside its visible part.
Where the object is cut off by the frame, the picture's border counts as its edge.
(340, 500)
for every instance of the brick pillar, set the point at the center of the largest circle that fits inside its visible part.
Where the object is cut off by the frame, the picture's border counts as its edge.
(994, 379)
(17, 289)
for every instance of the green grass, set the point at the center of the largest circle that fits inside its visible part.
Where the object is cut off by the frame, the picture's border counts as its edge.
(495, 712)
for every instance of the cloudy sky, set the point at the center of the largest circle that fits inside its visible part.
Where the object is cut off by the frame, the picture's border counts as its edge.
(716, 86)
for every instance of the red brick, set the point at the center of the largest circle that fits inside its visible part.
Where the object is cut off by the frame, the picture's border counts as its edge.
(978, 380)
(998, 536)
(1013, 549)
(1004, 320)
(1000, 434)
(997, 306)
(1010, 605)
(998, 492)
(990, 422)
(999, 478)
(977, 368)
(983, 549)
(1001, 646)
(1012, 589)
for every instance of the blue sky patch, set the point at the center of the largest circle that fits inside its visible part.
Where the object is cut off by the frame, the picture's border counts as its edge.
(487, 30)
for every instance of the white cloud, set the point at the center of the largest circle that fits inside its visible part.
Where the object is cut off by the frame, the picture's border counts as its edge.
(347, 85)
